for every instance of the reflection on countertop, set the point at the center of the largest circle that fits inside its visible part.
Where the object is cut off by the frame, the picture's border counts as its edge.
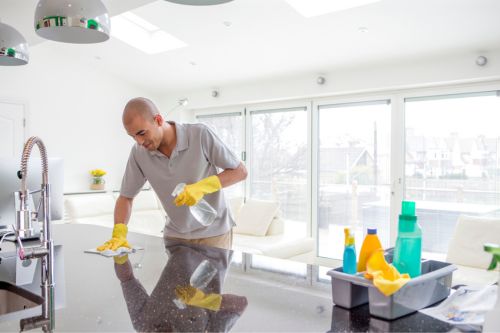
(154, 290)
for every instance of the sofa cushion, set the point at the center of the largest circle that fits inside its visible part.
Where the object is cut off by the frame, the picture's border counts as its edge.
(145, 200)
(149, 222)
(276, 227)
(235, 205)
(87, 205)
(280, 246)
(473, 276)
(255, 217)
(466, 245)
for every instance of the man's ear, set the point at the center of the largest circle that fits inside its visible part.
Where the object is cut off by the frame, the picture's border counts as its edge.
(158, 119)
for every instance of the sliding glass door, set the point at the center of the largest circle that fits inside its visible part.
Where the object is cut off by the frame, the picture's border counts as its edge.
(230, 129)
(279, 163)
(353, 173)
(452, 165)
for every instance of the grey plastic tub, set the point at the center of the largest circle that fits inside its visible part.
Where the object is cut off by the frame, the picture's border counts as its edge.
(431, 287)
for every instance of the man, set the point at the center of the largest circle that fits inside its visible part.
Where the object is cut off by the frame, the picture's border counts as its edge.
(166, 154)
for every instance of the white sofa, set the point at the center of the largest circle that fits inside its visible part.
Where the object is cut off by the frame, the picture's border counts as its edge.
(273, 236)
(467, 253)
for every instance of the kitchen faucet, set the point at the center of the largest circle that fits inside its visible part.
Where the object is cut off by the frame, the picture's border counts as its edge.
(24, 230)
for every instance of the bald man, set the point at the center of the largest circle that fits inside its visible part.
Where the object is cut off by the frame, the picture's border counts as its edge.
(167, 153)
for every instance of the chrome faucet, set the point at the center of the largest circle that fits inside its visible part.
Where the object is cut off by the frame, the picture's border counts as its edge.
(24, 229)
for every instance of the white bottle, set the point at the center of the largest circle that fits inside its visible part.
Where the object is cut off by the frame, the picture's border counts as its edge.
(202, 211)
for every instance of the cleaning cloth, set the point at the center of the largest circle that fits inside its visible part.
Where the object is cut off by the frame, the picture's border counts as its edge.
(385, 277)
(118, 252)
(466, 306)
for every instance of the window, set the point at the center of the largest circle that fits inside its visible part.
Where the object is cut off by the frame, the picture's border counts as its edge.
(229, 128)
(353, 173)
(278, 164)
(463, 130)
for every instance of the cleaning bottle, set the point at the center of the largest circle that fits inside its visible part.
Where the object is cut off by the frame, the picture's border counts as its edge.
(202, 211)
(349, 263)
(371, 243)
(408, 250)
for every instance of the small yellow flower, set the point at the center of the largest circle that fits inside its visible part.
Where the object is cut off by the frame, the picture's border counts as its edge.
(97, 172)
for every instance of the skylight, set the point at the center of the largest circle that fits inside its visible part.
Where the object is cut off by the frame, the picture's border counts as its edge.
(141, 34)
(310, 8)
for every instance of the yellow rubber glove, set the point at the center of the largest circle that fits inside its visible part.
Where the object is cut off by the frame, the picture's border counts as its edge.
(385, 277)
(194, 192)
(119, 238)
(195, 297)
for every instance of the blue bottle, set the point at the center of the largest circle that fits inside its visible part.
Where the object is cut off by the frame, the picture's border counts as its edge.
(349, 263)
(408, 251)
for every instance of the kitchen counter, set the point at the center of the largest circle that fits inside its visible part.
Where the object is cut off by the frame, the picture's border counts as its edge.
(139, 295)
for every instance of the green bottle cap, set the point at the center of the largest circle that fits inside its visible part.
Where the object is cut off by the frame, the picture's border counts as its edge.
(407, 218)
(408, 208)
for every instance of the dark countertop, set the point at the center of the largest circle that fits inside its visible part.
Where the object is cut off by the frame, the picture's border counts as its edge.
(138, 295)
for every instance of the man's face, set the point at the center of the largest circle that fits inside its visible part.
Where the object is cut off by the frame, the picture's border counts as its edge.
(146, 132)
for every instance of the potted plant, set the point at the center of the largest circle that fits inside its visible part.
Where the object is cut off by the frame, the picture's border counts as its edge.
(97, 179)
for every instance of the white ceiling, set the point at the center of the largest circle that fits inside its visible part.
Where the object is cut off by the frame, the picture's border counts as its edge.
(268, 38)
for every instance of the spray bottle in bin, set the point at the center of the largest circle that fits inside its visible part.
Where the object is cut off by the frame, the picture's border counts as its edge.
(408, 250)
(349, 258)
(202, 211)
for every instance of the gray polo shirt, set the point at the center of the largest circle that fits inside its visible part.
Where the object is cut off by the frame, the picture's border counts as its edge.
(197, 155)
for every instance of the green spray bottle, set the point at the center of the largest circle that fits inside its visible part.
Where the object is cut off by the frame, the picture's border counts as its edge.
(408, 251)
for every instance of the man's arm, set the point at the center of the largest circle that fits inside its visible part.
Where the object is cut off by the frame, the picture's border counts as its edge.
(123, 209)
(229, 177)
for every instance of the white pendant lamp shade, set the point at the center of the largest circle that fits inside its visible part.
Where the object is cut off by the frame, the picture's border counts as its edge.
(72, 21)
(199, 2)
(13, 47)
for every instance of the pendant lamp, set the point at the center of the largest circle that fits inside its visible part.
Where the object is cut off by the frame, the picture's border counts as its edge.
(72, 21)
(199, 2)
(13, 47)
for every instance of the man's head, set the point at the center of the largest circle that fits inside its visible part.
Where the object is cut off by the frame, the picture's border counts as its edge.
(143, 122)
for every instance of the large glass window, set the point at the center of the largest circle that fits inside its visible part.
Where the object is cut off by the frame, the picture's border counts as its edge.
(354, 173)
(278, 162)
(452, 161)
(229, 128)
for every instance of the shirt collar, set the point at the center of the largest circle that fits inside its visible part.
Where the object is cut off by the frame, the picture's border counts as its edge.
(181, 137)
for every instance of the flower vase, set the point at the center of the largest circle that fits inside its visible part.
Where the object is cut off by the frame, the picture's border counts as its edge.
(97, 183)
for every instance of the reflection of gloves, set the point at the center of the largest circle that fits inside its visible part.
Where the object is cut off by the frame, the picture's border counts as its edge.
(194, 192)
(120, 260)
(195, 297)
(386, 277)
(119, 238)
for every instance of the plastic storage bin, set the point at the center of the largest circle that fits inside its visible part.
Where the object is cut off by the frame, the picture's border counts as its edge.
(431, 287)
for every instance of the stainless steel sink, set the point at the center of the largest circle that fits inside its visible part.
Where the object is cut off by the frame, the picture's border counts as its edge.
(13, 298)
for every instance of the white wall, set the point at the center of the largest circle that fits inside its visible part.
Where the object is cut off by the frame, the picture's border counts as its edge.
(436, 70)
(76, 110)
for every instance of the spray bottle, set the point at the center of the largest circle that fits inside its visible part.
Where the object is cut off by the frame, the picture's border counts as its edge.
(349, 263)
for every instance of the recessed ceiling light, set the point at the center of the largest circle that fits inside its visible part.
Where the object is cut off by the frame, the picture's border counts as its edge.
(363, 29)
(227, 23)
(192, 63)
(143, 35)
(97, 58)
(309, 8)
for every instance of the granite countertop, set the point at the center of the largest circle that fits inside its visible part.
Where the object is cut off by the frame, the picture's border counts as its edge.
(139, 295)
